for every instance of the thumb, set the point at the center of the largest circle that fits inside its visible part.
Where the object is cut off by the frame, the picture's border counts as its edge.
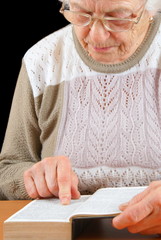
(123, 206)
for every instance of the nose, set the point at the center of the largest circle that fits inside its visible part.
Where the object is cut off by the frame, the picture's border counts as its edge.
(98, 33)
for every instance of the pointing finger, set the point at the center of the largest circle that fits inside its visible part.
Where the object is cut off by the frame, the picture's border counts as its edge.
(64, 180)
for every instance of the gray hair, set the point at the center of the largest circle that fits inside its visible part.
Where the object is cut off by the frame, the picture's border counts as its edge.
(152, 6)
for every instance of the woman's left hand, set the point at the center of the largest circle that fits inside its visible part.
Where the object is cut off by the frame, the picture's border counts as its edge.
(143, 213)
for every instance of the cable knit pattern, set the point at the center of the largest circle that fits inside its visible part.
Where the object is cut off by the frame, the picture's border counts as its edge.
(113, 122)
(110, 122)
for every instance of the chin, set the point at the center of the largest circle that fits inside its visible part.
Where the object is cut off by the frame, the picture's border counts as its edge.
(104, 57)
(108, 58)
(104, 60)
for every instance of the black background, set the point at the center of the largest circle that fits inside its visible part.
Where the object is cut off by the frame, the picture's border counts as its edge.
(23, 24)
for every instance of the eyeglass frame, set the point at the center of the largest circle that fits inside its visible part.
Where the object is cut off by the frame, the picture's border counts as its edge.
(91, 18)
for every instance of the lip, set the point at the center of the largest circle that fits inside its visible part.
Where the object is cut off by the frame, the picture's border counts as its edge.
(102, 49)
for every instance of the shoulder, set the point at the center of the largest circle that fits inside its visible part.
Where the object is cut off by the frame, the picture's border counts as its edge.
(49, 43)
(44, 60)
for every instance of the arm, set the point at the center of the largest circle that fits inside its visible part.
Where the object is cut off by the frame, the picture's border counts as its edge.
(22, 174)
(21, 147)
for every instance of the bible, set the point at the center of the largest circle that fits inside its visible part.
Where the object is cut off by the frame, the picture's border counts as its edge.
(48, 219)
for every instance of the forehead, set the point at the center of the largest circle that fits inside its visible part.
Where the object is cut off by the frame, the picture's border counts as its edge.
(105, 5)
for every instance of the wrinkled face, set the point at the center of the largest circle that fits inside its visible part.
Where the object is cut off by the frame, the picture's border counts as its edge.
(107, 46)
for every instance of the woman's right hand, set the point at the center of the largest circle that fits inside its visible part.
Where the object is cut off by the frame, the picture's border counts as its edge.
(52, 176)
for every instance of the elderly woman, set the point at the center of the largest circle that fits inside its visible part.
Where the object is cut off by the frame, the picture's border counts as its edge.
(88, 105)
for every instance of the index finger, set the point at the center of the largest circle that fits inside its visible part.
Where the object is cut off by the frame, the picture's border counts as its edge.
(64, 180)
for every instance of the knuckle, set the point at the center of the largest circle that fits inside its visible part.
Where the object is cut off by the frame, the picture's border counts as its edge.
(26, 174)
(64, 195)
(132, 229)
(64, 178)
(53, 188)
(46, 160)
(35, 168)
(132, 217)
(64, 161)
(44, 193)
(64, 158)
(31, 192)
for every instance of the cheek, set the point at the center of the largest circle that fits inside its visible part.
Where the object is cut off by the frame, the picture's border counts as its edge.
(125, 39)
(81, 33)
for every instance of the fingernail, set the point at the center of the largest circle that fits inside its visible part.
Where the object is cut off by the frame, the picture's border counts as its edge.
(65, 201)
(116, 221)
(124, 205)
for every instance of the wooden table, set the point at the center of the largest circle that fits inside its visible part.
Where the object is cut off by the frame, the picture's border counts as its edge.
(98, 229)
(7, 208)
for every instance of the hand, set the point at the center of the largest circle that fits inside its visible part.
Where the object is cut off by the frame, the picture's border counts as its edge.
(143, 213)
(53, 176)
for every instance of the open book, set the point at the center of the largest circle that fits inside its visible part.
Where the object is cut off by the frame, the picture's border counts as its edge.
(48, 219)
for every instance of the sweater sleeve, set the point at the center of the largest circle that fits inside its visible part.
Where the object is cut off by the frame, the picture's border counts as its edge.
(21, 147)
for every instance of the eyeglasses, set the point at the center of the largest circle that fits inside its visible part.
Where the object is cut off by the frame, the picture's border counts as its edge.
(110, 23)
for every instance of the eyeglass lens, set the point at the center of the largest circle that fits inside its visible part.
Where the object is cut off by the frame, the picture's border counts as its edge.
(84, 20)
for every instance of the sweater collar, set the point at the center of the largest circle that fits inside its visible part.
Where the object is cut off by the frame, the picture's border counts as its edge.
(128, 63)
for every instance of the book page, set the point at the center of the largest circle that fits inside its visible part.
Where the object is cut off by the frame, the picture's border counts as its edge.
(47, 210)
(106, 201)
